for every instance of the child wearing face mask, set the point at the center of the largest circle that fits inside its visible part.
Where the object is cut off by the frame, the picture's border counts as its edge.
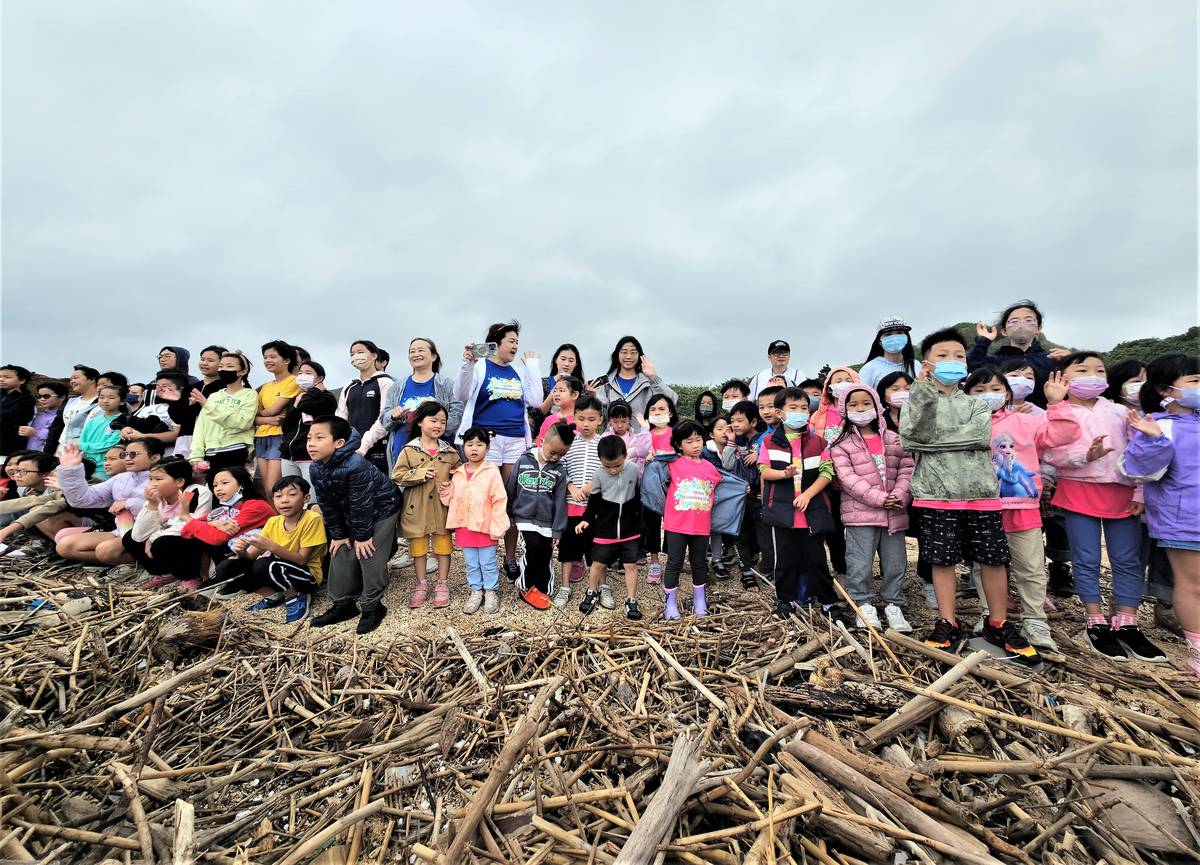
(224, 430)
(1021, 383)
(1019, 439)
(827, 422)
(1125, 381)
(661, 418)
(891, 351)
(637, 444)
(1097, 497)
(875, 475)
(705, 408)
(733, 392)
(314, 401)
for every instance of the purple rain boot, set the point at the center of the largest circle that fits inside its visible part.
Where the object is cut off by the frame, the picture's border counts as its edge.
(699, 602)
(671, 610)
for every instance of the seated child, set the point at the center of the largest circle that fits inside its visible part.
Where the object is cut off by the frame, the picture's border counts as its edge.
(171, 501)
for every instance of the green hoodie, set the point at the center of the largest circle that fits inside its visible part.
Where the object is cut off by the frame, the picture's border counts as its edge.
(950, 437)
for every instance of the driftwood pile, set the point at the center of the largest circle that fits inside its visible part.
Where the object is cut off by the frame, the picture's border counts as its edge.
(133, 729)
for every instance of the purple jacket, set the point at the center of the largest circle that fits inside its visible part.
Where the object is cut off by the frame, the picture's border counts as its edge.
(1169, 467)
(127, 487)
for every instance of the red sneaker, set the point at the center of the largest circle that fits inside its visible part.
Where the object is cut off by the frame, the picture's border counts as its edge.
(537, 599)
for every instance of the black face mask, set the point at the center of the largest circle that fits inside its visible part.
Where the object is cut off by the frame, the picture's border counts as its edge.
(228, 376)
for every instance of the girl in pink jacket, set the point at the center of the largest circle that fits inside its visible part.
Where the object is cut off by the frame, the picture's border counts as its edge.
(1096, 497)
(1019, 440)
(875, 473)
(478, 514)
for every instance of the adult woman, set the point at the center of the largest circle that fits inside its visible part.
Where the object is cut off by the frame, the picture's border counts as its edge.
(494, 391)
(279, 359)
(632, 377)
(313, 402)
(425, 384)
(891, 351)
(1020, 324)
(361, 401)
(225, 428)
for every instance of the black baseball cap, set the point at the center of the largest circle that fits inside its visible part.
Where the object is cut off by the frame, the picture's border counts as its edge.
(778, 346)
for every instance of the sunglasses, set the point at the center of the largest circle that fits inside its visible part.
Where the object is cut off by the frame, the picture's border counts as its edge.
(46, 395)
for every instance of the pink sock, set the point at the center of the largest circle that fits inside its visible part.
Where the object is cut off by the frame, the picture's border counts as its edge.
(1193, 638)
(1096, 620)
(1123, 620)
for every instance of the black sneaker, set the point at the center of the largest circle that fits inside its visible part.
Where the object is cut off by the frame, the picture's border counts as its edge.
(1015, 646)
(512, 570)
(590, 599)
(720, 571)
(336, 614)
(945, 635)
(1060, 583)
(632, 610)
(841, 612)
(783, 609)
(1138, 647)
(1102, 641)
(371, 619)
(749, 581)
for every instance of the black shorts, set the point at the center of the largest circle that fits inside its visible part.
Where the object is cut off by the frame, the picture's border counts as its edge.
(625, 552)
(950, 537)
(574, 547)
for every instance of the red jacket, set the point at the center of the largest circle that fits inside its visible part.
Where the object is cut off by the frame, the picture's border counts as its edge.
(248, 514)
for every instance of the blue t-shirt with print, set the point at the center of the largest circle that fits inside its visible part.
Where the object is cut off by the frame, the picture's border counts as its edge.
(500, 404)
(413, 395)
(626, 384)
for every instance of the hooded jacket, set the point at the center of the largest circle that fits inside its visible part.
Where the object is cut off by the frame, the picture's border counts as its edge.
(1070, 459)
(354, 494)
(729, 498)
(820, 423)
(478, 503)
(614, 509)
(1036, 356)
(226, 420)
(1169, 467)
(360, 402)
(16, 410)
(470, 380)
(864, 491)
(127, 487)
(637, 446)
(424, 511)
(950, 437)
(537, 494)
(443, 392)
(643, 390)
(183, 360)
(1019, 441)
(169, 520)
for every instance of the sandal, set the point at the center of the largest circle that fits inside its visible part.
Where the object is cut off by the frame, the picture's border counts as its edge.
(419, 594)
(441, 595)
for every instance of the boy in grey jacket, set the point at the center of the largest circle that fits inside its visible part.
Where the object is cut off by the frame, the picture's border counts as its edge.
(537, 506)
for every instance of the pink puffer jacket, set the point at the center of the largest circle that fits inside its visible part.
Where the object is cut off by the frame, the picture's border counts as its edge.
(863, 490)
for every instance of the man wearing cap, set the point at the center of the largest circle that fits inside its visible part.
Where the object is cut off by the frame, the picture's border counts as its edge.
(891, 351)
(780, 354)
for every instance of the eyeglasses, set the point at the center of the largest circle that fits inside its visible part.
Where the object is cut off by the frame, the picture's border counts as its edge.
(23, 472)
(1013, 321)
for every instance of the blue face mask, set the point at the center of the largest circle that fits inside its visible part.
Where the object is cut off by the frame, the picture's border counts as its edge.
(1189, 397)
(132, 398)
(894, 342)
(814, 402)
(949, 371)
(795, 419)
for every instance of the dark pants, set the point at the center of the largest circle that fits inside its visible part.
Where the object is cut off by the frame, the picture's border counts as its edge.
(836, 540)
(747, 539)
(538, 570)
(352, 578)
(575, 547)
(766, 543)
(694, 547)
(924, 566)
(182, 558)
(1058, 548)
(268, 571)
(800, 559)
(651, 531)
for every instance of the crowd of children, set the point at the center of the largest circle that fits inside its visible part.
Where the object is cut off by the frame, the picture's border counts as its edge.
(993, 459)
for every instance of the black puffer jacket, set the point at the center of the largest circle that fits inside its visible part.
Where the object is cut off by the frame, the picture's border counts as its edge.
(299, 417)
(354, 495)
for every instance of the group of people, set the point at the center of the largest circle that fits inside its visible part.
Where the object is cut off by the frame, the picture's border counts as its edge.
(996, 458)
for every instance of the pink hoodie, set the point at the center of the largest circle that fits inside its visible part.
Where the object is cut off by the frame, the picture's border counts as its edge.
(828, 417)
(863, 490)
(1019, 440)
(1070, 458)
(637, 446)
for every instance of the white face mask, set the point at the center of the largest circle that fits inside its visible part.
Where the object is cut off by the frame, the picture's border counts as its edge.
(1021, 386)
(898, 399)
(1131, 392)
(728, 404)
(859, 418)
(838, 390)
(995, 401)
(305, 381)
(659, 419)
(360, 360)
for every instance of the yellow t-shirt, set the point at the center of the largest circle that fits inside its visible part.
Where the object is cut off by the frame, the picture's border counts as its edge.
(271, 393)
(309, 532)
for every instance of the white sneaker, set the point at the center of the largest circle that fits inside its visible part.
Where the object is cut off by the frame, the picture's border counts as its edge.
(401, 560)
(1037, 632)
(562, 597)
(606, 597)
(473, 602)
(491, 601)
(930, 597)
(867, 616)
(896, 620)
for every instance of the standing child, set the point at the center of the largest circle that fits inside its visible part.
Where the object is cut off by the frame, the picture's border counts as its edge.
(637, 443)
(744, 425)
(359, 504)
(614, 519)
(537, 506)
(1018, 441)
(422, 467)
(98, 435)
(661, 418)
(282, 563)
(876, 474)
(563, 395)
(720, 451)
(1021, 382)
(478, 514)
(582, 462)
(954, 485)
(1164, 451)
(1096, 496)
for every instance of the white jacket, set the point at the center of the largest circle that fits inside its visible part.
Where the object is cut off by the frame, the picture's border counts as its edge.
(470, 380)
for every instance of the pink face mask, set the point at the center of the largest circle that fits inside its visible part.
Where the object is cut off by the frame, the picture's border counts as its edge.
(1087, 387)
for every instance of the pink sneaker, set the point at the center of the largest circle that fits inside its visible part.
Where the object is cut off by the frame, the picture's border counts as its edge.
(156, 582)
(420, 594)
(189, 585)
(1193, 660)
(654, 573)
(577, 571)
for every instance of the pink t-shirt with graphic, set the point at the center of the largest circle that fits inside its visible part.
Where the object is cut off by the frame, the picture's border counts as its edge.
(660, 440)
(690, 496)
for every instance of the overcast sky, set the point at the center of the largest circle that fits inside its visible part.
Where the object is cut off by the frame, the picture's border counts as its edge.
(707, 176)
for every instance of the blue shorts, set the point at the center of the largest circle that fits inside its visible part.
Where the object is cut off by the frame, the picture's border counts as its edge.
(1191, 546)
(268, 447)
